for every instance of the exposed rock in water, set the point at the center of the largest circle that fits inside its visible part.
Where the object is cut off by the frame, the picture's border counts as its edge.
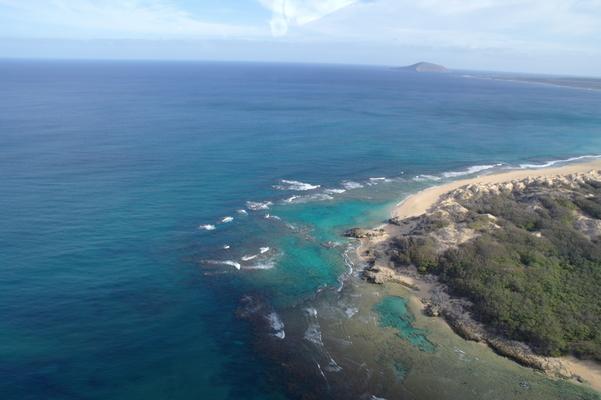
(330, 244)
(361, 233)
(380, 275)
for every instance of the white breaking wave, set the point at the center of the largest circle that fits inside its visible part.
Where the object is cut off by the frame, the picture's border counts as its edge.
(311, 197)
(242, 211)
(226, 262)
(313, 334)
(333, 366)
(263, 250)
(262, 266)
(348, 261)
(334, 191)
(207, 227)
(276, 324)
(311, 312)
(478, 168)
(298, 186)
(258, 205)
(349, 185)
(225, 220)
(554, 162)
(269, 216)
(321, 371)
(350, 311)
(248, 258)
(380, 179)
(471, 170)
(233, 264)
(425, 178)
(226, 246)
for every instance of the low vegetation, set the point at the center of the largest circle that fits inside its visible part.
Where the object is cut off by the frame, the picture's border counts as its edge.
(531, 272)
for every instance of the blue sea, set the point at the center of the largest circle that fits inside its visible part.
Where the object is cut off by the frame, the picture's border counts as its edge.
(162, 222)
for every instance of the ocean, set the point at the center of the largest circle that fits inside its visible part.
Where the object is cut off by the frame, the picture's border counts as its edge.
(172, 230)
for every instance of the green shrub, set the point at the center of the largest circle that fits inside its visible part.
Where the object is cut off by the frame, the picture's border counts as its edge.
(540, 290)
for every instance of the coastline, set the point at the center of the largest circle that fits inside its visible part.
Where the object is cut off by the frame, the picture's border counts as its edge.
(420, 202)
(424, 287)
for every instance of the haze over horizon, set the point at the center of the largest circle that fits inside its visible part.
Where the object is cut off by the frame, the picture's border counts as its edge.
(552, 37)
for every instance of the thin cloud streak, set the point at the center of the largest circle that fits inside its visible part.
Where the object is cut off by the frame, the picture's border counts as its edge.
(286, 13)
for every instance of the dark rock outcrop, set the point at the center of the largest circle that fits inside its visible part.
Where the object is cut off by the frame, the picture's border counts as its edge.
(361, 233)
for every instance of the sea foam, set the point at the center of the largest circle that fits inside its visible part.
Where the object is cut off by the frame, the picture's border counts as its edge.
(554, 162)
(311, 312)
(308, 198)
(334, 191)
(313, 334)
(225, 262)
(350, 311)
(276, 324)
(426, 178)
(470, 170)
(379, 180)
(299, 186)
(261, 266)
(258, 205)
(349, 185)
(207, 227)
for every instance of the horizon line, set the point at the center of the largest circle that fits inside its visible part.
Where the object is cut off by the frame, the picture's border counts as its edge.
(308, 63)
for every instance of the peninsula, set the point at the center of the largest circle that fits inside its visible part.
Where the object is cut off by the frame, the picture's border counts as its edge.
(512, 260)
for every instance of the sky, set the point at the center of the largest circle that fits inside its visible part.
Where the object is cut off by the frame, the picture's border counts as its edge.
(539, 36)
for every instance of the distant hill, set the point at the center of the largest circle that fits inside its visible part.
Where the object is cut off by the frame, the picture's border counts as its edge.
(424, 67)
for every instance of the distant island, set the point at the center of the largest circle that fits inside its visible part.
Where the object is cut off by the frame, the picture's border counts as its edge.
(424, 67)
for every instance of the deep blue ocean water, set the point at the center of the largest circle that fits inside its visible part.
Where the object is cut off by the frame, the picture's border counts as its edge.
(109, 289)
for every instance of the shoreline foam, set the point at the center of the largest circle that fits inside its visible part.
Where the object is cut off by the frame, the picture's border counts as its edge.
(420, 202)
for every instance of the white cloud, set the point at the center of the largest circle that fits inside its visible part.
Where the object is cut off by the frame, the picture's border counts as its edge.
(562, 32)
(518, 25)
(288, 13)
(114, 18)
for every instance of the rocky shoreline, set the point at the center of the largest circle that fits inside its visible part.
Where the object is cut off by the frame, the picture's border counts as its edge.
(378, 252)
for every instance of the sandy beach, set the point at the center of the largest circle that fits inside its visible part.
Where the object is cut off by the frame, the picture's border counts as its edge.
(421, 202)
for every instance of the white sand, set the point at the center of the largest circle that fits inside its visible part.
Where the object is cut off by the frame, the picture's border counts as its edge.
(420, 202)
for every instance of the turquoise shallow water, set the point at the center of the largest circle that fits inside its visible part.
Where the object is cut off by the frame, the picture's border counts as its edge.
(109, 289)
(393, 313)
